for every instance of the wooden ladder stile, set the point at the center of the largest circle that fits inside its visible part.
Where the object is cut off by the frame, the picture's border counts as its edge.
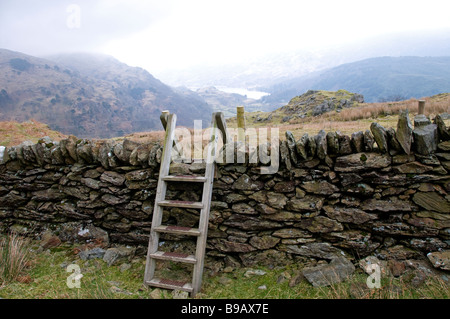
(169, 121)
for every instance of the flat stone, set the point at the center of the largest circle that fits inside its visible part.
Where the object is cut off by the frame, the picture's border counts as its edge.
(345, 143)
(432, 201)
(399, 252)
(284, 154)
(246, 183)
(444, 146)
(276, 200)
(309, 203)
(348, 214)
(50, 241)
(264, 242)
(349, 178)
(269, 258)
(338, 270)
(248, 222)
(315, 250)
(368, 141)
(243, 208)
(113, 178)
(291, 146)
(93, 253)
(284, 216)
(300, 146)
(362, 161)
(124, 149)
(332, 143)
(425, 139)
(68, 148)
(404, 132)
(292, 233)
(320, 224)
(412, 168)
(320, 187)
(91, 183)
(421, 120)
(444, 133)
(50, 194)
(380, 136)
(227, 246)
(284, 187)
(84, 151)
(115, 254)
(321, 144)
(386, 205)
(400, 229)
(403, 158)
(235, 198)
(138, 175)
(156, 294)
(311, 146)
(440, 259)
(357, 139)
(357, 241)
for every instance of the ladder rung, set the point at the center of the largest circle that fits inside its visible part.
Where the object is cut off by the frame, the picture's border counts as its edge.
(178, 230)
(184, 178)
(170, 284)
(178, 257)
(181, 204)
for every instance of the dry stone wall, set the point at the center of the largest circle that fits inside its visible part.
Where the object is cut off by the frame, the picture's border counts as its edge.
(382, 192)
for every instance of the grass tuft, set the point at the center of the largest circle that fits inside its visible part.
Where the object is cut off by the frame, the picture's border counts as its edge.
(14, 258)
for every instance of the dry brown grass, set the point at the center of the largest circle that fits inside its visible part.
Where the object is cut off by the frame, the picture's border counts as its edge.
(434, 105)
(359, 118)
(14, 257)
(13, 133)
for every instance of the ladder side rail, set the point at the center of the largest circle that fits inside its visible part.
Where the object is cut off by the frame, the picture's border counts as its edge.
(160, 195)
(204, 214)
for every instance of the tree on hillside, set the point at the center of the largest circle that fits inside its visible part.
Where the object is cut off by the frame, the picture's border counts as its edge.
(20, 64)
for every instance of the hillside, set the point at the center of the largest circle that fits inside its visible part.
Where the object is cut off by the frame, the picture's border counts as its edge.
(89, 95)
(306, 106)
(13, 133)
(378, 79)
(338, 111)
(227, 102)
(354, 116)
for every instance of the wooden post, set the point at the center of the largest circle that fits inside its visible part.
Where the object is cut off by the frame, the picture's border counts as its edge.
(164, 116)
(241, 123)
(421, 107)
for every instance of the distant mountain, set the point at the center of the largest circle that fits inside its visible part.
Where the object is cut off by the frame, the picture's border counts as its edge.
(377, 79)
(262, 71)
(90, 95)
(227, 102)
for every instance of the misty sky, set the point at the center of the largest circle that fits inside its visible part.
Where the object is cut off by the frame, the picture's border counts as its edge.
(173, 34)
